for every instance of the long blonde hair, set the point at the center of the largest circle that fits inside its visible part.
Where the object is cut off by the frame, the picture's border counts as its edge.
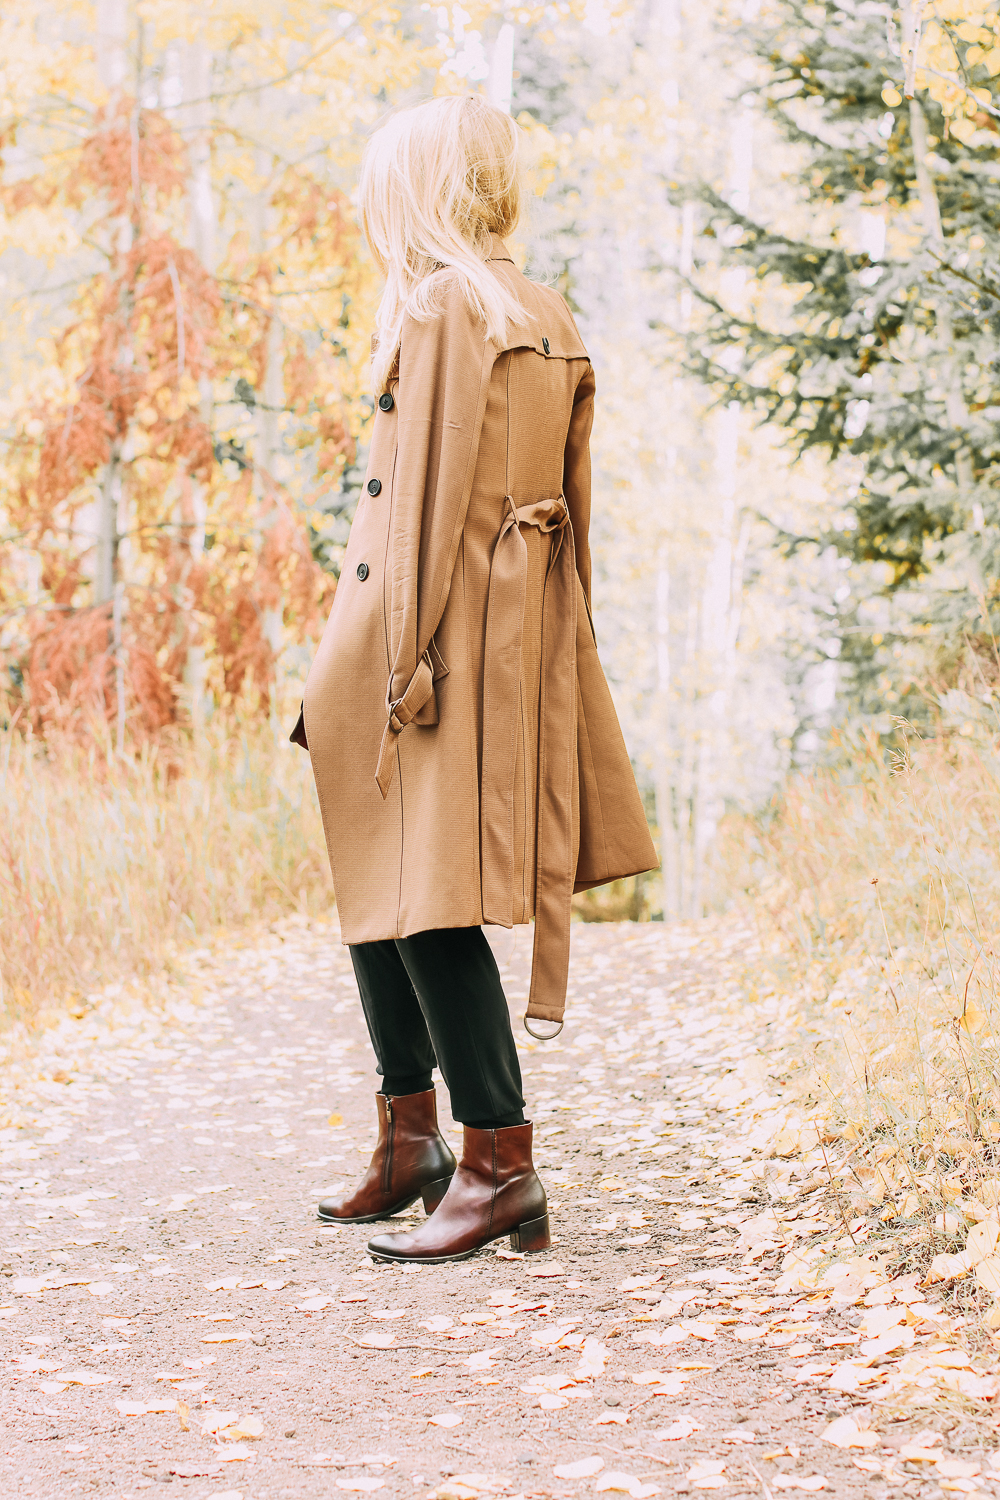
(436, 181)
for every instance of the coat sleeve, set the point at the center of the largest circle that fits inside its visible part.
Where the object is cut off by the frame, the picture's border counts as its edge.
(576, 474)
(444, 374)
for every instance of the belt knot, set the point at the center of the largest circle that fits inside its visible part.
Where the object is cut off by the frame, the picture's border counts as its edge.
(547, 515)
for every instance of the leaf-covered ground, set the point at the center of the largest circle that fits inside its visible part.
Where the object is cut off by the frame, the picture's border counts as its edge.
(173, 1312)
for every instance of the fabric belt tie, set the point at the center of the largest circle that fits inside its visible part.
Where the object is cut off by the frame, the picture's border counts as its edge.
(555, 837)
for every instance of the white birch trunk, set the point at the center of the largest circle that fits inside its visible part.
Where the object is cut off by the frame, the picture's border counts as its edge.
(713, 747)
(266, 455)
(203, 220)
(112, 56)
(665, 812)
(687, 730)
(500, 83)
(717, 604)
(112, 38)
(955, 407)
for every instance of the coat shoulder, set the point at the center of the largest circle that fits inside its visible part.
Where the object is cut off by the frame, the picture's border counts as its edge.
(448, 335)
(448, 308)
(548, 326)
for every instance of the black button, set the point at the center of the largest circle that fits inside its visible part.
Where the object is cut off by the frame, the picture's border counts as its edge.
(385, 402)
(545, 345)
(362, 571)
(374, 486)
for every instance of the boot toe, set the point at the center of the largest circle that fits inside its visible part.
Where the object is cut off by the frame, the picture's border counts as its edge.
(335, 1208)
(391, 1245)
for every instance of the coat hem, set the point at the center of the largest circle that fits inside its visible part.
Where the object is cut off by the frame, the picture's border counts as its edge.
(405, 930)
(590, 885)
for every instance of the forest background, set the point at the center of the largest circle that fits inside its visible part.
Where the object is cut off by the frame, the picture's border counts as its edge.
(776, 222)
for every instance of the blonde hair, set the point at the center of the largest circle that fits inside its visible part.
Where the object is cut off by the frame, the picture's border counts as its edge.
(436, 181)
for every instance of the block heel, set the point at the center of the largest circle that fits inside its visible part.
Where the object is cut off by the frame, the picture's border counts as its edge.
(532, 1236)
(433, 1193)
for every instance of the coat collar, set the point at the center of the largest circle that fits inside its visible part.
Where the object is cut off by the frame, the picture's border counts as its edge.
(498, 250)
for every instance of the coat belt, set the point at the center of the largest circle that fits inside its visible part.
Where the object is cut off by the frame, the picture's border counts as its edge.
(555, 833)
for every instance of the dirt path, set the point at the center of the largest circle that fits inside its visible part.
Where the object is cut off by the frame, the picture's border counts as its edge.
(165, 1279)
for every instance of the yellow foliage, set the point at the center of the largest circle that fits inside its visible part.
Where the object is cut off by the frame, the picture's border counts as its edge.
(109, 865)
(876, 887)
(941, 73)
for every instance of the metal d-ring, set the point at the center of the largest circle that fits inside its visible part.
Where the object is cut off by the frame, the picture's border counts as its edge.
(539, 1036)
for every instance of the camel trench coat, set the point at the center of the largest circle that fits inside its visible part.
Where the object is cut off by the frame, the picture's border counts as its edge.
(468, 759)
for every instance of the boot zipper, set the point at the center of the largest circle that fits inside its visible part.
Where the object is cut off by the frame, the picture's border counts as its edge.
(387, 1159)
(493, 1190)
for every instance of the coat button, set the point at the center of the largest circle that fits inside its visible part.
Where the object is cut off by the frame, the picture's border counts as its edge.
(362, 571)
(385, 402)
(374, 486)
(545, 346)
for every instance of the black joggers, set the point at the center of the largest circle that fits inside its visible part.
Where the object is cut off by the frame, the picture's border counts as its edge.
(436, 999)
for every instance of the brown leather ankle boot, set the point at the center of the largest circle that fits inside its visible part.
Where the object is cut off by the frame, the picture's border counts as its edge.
(412, 1159)
(494, 1192)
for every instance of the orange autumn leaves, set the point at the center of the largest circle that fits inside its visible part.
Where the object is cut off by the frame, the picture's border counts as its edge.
(212, 548)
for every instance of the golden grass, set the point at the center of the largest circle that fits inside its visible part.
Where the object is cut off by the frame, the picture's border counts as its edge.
(110, 866)
(876, 890)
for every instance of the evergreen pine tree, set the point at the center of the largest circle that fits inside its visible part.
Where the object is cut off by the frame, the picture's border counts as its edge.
(872, 328)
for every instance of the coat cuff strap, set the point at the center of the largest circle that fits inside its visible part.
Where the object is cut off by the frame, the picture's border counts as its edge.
(402, 712)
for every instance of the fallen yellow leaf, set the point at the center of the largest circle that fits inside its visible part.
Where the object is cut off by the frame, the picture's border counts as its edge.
(85, 1377)
(681, 1428)
(710, 1474)
(982, 1241)
(583, 1468)
(844, 1432)
(988, 1271)
(246, 1427)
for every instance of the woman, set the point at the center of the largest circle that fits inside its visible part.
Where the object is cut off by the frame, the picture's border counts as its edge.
(468, 760)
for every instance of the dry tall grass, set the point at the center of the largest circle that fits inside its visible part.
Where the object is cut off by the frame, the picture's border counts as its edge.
(876, 888)
(110, 865)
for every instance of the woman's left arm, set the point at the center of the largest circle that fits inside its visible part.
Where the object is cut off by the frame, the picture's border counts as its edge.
(576, 473)
(444, 374)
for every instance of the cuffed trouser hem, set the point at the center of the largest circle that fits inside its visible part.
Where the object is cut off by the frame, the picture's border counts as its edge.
(504, 1122)
(414, 1083)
